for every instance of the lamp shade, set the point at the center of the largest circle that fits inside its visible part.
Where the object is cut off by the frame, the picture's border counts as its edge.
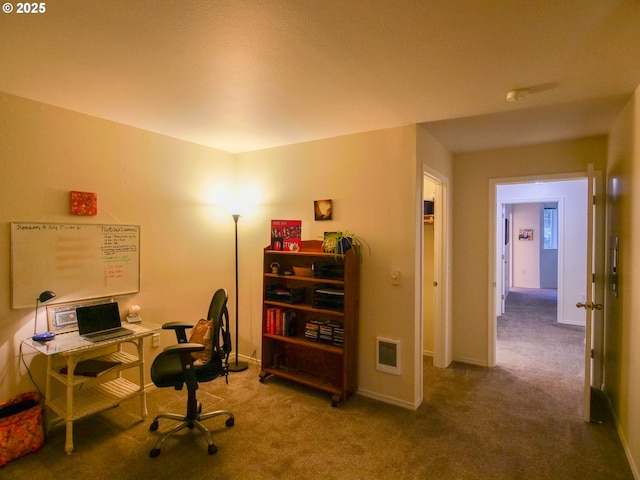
(46, 296)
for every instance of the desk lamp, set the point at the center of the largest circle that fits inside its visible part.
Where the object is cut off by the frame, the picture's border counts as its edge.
(43, 298)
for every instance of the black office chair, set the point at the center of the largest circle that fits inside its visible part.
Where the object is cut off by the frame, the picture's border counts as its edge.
(191, 363)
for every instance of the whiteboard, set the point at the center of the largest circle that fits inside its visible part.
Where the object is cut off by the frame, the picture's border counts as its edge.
(75, 261)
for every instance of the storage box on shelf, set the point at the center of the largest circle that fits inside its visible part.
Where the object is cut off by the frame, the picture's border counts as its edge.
(310, 323)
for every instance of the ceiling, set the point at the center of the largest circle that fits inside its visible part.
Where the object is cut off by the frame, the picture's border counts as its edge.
(241, 75)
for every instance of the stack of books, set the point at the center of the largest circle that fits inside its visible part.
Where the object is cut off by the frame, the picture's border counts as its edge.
(281, 322)
(338, 335)
(312, 330)
(326, 332)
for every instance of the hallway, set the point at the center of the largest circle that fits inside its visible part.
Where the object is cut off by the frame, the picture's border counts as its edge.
(530, 339)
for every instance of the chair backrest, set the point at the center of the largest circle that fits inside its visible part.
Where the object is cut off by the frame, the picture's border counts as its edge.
(219, 316)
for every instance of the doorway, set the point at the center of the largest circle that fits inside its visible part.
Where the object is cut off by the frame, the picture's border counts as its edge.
(546, 222)
(436, 329)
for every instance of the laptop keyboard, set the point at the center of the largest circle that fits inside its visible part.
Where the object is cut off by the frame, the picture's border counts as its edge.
(97, 337)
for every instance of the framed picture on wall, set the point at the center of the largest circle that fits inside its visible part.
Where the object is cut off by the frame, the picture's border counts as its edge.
(61, 318)
(322, 209)
(525, 234)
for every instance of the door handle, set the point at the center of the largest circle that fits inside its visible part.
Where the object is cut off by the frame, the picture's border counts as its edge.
(589, 306)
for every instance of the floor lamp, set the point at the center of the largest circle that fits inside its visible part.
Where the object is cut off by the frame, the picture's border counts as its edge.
(237, 366)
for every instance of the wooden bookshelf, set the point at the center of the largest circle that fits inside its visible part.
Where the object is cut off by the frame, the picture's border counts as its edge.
(318, 346)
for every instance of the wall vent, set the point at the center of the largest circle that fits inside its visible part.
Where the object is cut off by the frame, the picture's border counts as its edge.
(388, 355)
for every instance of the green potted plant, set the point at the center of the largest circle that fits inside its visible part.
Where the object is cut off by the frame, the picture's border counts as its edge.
(341, 242)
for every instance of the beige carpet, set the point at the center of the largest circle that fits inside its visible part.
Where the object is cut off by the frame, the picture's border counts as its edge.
(510, 422)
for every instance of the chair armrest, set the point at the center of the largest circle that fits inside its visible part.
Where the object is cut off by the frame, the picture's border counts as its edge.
(176, 325)
(180, 328)
(184, 348)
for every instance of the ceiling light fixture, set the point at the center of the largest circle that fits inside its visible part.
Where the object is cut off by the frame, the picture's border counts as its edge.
(517, 94)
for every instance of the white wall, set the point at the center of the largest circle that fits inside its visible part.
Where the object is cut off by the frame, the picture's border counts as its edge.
(473, 276)
(162, 184)
(373, 182)
(526, 252)
(173, 189)
(622, 334)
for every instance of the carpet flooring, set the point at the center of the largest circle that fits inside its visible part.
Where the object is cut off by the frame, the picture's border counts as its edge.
(510, 422)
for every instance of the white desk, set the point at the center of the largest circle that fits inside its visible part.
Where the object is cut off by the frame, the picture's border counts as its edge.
(73, 397)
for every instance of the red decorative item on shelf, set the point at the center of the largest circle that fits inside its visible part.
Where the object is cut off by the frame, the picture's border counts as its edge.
(84, 203)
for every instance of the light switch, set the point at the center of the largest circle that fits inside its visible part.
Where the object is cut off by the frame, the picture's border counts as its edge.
(395, 277)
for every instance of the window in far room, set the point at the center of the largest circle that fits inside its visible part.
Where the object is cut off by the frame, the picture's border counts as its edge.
(550, 227)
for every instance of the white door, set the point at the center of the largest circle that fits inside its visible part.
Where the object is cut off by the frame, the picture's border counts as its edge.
(506, 264)
(594, 291)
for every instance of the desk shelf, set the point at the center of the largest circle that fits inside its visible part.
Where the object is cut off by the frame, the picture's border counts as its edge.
(94, 398)
(125, 359)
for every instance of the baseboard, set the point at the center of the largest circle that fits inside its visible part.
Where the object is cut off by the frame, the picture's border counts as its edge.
(390, 400)
(471, 361)
(623, 440)
(250, 359)
(577, 323)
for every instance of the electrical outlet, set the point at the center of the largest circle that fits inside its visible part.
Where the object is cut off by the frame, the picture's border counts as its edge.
(155, 340)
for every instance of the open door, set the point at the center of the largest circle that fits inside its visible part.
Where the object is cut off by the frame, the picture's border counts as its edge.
(594, 318)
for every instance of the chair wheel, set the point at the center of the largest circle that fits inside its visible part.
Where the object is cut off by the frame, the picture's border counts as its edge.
(153, 427)
(154, 453)
(212, 449)
(230, 422)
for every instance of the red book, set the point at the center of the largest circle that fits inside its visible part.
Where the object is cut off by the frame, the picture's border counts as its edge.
(279, 321)
(271, 321)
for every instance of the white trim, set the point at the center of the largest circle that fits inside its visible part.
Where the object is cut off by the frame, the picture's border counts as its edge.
(389, 400)
(442, 335)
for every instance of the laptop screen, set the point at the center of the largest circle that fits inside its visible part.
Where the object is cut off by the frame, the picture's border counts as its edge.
(96, 318)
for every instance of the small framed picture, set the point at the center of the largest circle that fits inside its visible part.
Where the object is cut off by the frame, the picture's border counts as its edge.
(525, 234)
(323, 209)
(61, 318)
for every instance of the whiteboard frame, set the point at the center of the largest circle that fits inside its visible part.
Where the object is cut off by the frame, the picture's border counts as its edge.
(18, 298)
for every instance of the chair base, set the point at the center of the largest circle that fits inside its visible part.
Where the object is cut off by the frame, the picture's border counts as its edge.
(186, 422)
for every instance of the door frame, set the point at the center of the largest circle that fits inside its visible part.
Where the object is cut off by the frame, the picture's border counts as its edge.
(561, 235)
(442, 325)
(494, 268)
(593, 367)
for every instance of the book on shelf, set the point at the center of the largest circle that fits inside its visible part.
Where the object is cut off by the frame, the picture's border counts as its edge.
(280, 322)
(286, 234)
(92, 367)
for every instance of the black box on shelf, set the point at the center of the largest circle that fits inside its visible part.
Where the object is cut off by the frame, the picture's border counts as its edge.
(277, 293)
(328, 298)
(331, 270)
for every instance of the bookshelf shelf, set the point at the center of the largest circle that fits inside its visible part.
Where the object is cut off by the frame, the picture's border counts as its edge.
(310, 324)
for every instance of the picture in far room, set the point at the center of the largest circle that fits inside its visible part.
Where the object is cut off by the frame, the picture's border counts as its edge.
(525, 234)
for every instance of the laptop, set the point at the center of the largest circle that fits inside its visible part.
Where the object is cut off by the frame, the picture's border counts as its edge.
(97, 323)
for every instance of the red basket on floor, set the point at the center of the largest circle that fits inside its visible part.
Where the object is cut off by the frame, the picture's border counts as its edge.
(21, 429)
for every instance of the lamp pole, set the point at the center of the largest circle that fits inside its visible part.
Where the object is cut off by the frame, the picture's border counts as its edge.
(237, 366)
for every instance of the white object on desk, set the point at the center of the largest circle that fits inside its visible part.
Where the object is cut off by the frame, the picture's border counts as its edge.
(134, 314)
